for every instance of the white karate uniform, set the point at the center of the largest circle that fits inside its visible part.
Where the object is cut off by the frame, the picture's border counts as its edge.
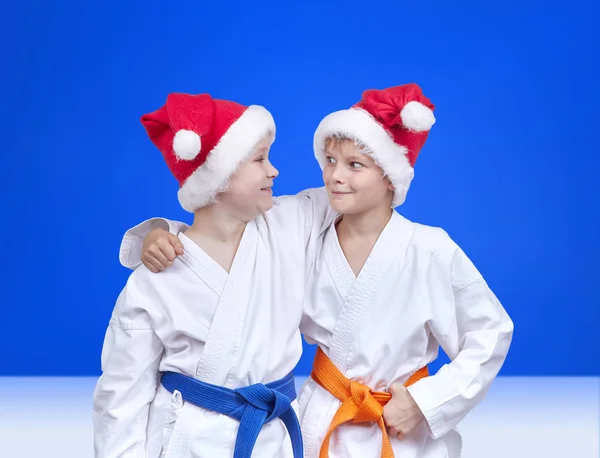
(417, 291)
(230, 329)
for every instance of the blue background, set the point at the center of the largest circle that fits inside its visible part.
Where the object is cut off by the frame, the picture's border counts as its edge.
(509, 171)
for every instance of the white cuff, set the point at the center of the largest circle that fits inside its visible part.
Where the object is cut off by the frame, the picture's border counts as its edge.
(431, 402)
(130, 252)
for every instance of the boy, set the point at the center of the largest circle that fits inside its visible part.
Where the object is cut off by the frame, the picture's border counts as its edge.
(384, 293)
(197, 361)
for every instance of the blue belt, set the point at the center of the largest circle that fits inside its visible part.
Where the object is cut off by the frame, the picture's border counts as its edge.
(253, 406)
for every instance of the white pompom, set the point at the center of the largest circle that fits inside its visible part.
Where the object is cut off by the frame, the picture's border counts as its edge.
(417, 117)
(186, 144)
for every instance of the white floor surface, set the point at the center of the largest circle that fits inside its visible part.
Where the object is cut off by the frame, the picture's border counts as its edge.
(520, 417)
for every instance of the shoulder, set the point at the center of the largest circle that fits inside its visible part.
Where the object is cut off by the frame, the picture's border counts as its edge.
(448, 254)
(142, 297)
(434, 240)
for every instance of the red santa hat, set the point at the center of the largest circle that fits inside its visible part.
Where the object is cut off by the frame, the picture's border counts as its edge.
(392, 123)
(203, 140)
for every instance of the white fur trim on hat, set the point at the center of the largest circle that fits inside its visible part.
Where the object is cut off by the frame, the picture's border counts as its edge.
(234, 147)
(417, 117)
(359, 124)
(186, 144)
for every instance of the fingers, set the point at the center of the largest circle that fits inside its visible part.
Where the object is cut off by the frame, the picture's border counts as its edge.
(152, 263)
(401, 430)
(164, 252)
(159, 256)
(176, 244)
(388, 415)
(161, 253)
(397, 432)
(397, 389)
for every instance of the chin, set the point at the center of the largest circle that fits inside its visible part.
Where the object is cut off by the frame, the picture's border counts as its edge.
(341, 207)
(266, 208)
(336, 207)
(266, 205)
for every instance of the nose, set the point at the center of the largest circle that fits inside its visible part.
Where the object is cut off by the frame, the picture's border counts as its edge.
(272, 172)
(337, 175)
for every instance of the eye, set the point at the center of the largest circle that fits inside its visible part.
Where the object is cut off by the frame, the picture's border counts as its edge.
(356, 165)
(260, 159)
(330, 160)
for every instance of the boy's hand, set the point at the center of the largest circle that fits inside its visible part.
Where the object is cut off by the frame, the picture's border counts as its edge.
(401, 414)
(160, 249)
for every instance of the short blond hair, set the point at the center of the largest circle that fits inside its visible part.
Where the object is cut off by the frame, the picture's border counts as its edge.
(337, 139)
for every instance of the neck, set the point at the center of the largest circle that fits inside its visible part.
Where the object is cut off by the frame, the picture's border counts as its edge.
(214, 223)
(365, 224)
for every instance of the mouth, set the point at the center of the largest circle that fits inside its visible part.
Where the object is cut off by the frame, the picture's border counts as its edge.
(338, 193)
(269, 190)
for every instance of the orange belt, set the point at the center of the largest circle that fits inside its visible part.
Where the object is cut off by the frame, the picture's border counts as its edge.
(359, 403)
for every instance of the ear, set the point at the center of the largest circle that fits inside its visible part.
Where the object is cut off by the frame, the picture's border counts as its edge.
(391, 186)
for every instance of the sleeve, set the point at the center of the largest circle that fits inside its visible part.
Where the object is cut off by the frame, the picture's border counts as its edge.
(314, 203)
(130, 369)
(130, 252)
(477, 342)
(316, 215)
(306, 213)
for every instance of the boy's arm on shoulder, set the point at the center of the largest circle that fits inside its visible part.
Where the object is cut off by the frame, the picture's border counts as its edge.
(312, 205)
(130, 367)
(130, 252)
(477, 340)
